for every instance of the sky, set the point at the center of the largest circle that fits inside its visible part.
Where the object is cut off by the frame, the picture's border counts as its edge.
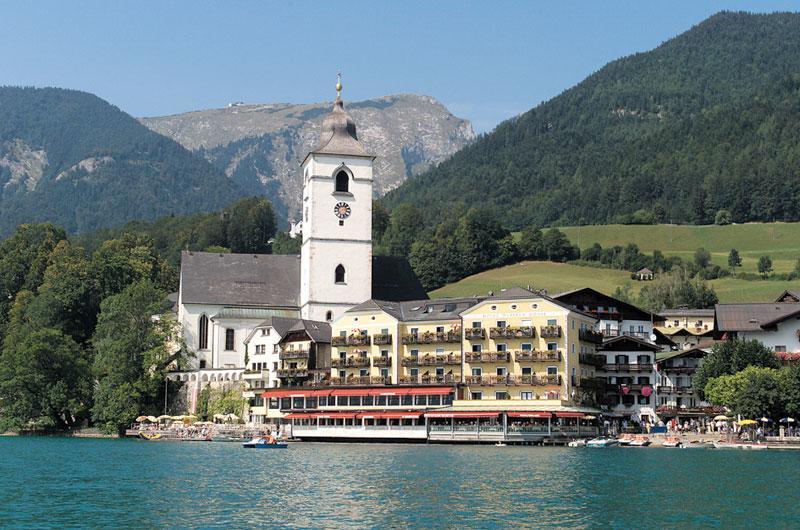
(486, 61)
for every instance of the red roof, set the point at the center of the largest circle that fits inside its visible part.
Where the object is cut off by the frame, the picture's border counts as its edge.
(299, 416)
(350, 392)
(569, 414)
(440, 391)
(393, 414)
(460, 414)
(335, 415)
(530, 414)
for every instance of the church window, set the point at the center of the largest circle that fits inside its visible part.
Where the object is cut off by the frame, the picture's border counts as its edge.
(342, 182)
(329, 316)
(203, 325)
(340, 278)
(229, 335)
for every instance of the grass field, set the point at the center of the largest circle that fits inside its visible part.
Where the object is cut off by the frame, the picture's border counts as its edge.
(558, 277)
(780, 241)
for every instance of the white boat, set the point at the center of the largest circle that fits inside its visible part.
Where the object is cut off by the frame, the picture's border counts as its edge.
(672, 442)
(640, 441)
(263, 443)
(752, 447)
(602, 441)
(577, 443)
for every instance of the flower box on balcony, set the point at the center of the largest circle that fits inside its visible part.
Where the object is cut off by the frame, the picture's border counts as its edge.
(550, 332)
(512, 333)
(474, 333)
(590, 335)
(381, 361)
(533, 356)
(432, 337)
(487, 357)
(381, 339)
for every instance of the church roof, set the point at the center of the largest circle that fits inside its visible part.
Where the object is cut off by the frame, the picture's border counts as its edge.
(240, 279)
(338, 136)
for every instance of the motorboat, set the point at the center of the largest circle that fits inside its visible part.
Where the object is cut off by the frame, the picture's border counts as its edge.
(602, 441)
(263, 443)
(639, 441)
(625, 439)
(150, 436)
(577, 443)
(672, 442)
(749, 446)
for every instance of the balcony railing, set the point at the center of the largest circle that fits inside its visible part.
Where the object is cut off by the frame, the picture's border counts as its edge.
(351, 340)
(590, 335)
(616, 388)
(487, 357)
(593, 359)
(474, 333)
(533, 356)
(491, 380)
(293, 354)
(644, 367)
(431, 337)
(677, 369)
(360, 380)
(550, 332)
(381, 361)
(350, 362)
(663, 389)
(512, 333)
(381, 339)
(293, 372)
(432, 360)
(623, 333)
(446, 379)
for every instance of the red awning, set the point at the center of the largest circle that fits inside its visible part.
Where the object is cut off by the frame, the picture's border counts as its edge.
(460, 414)
(335, 415)
(389, 391)
(269, 394)
(393, 414)
(350, 392)
(299, 416)
(530, 414)
(569, 414)
(436, 391)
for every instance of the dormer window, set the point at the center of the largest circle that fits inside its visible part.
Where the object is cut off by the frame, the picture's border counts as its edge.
(342, 182)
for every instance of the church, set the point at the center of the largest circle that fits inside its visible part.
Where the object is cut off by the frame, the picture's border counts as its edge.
(224, 298)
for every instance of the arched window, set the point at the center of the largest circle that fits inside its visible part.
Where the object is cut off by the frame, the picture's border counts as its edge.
(329, 316)
(339, 274)
(229, 340)
(203, 329)
(342, 182)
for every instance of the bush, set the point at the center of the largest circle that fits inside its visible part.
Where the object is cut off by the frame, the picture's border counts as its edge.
(723, 217)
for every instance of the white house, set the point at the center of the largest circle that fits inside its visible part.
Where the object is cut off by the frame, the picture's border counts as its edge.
(776, 325)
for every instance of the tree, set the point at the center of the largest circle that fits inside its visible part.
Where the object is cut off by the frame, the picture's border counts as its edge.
(702, 258)
(478, 236)
(729, 357)
(133, 353)
(557, 247)
(723, 217)
(283, 244)
(531, 245)
(734, 260)
(121, 262)
(380, 221)
(405, 225)
(790, 389)
(676, 289)
(250, 226)
(764, 266)
(752, 392)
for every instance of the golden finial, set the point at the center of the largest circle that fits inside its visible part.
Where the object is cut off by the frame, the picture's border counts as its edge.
(339, 84)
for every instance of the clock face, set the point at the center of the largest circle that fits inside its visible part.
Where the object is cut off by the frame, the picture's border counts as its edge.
(342, 210)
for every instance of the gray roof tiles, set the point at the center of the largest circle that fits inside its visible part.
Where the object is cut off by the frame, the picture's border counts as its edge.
(753, 317)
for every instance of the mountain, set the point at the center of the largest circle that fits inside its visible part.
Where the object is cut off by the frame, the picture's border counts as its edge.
(706, 121)
(260, 146)
(70, 158)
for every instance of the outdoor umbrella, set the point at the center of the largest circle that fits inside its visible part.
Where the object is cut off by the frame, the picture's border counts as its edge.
(140, 419)
(589, 417)
(164, 417)
(748, 422)
(721, 417)
(233, 417)
(152, 419)
(765, 420)
(787, 420)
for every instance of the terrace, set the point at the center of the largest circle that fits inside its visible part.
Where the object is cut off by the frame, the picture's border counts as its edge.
(550, 332)
(361, 339)
(474, 333)
(352, 361)
(590, 335)
(381, 339)
(488, 357)
(534, 380)
(592, 359)
(432, 337)
(643, 367)
(381, 361)
(512, 333)
(293, 372)
(533, 356)
(293, 354)
(356, 380)
(426, 379)
(432, 359)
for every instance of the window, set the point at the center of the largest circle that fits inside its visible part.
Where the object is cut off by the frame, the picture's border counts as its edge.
(229, 336)
(203, 327)
(552, 346)
(526, 395)
(439, 329)
(420, 400)
(476, 325)
(527, 347)
(414, 372)
(339, 275)
(477, 372)
(552, 322)
(264, 331)
(384, 372)
(202, 364)
(644, 400)
(440, 372)
(526, 323)
(502, 347)
(414, 353)
(643, 380)
(342, 182)
(439, 350)
(501, 323)
(501, 395)
(329, 316)
(367, 401)
(342, 373)
(384, 331)
(527, 370)
(363, 372)
(476, 395)
(552, 370)
(502, 370)
(621, 359)
(476, 348)
(780, 349)
(414, 331)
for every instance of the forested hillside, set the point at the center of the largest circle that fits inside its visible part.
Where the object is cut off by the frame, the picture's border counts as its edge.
(70, 158)
(706, 121)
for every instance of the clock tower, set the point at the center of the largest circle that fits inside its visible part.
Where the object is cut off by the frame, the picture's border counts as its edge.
(336, 255)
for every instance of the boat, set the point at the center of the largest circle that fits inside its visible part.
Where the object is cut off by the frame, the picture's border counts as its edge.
(640, 441)
(150, 436)
(262, 443)
(752, 447)
(624, 439)
(577, 443)
(672, 442)
(602, 441)
(500, 444)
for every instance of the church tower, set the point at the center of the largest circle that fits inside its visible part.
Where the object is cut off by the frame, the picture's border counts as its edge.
(336, 255)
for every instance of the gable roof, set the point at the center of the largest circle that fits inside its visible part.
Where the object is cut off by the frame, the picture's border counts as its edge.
(584, 298)
(240, 279)
(319, 332)
(685, 312)
(421, 310)
(753, 317)
(789, 296)
(628, 343)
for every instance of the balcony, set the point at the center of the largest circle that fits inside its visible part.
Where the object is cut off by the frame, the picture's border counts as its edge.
(674, 389)
(616, 388)
(590, 335)
(512, 333)
(438, 359)
(474, 333)
(293, 372)
(622, 333)
(488, 357)
(533, 356)
(550, 332)
(644, 367)
(431, 337)
(677, 369)
(381, 339)
(506, 380)
(351, 340)
(350, 362)
(446, 379)
(254, 374)
(356, 380)
(293, 354)
(593, 359)
(381, 361)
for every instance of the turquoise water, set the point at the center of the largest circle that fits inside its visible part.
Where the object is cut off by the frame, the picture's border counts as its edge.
(58, 482)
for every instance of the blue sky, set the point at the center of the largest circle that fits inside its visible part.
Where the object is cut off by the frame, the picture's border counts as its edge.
(487, 61)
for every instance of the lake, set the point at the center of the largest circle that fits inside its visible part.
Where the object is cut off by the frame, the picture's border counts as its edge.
(60, 482)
